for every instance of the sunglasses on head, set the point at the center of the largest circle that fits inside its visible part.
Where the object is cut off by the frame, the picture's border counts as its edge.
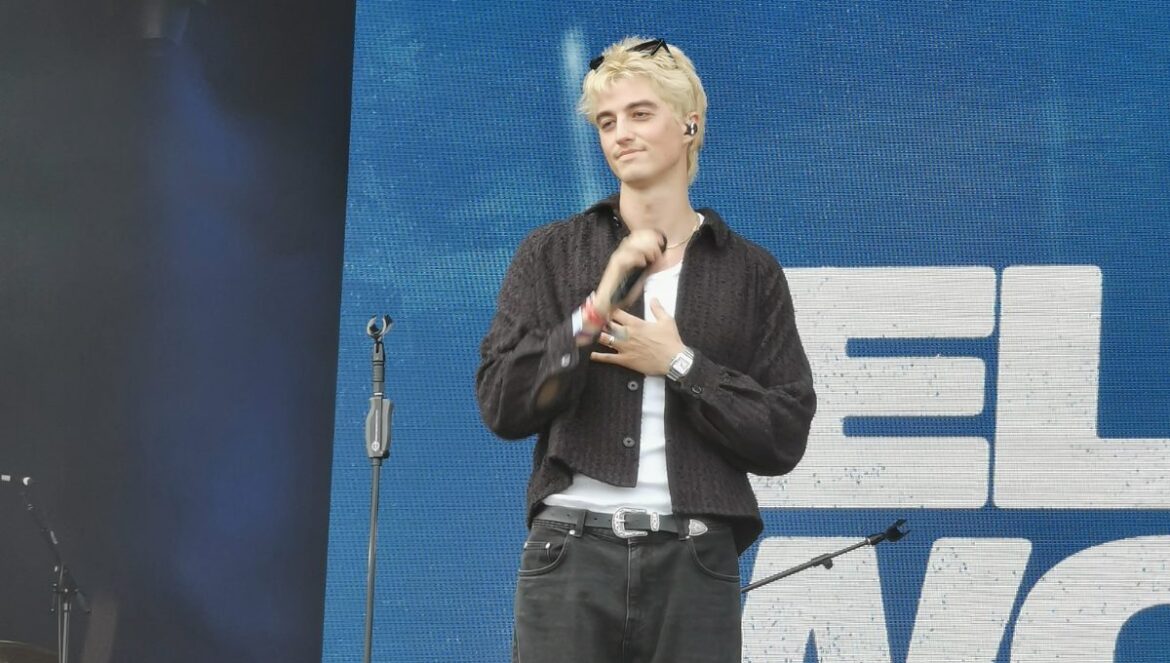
(648, 47)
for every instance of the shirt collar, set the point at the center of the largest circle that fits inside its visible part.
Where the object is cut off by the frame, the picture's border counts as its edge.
(713, 225)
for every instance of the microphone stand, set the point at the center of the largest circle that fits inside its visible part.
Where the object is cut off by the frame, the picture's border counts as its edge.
(893, 533)
(65, 588)
(377, 448)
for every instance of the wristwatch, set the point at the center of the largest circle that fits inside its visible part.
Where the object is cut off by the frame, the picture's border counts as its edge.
(681, 365)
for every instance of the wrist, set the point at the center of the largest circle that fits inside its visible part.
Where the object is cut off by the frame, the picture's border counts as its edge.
(593, 314)
(592, 321)
(603, 296)
(602, 307)
(681, 364)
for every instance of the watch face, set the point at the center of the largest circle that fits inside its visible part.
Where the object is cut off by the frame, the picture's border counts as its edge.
(680, 365)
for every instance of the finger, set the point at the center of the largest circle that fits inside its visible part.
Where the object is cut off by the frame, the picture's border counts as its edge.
(605, 339)
(648, 242)
(629, 258)
(623, 317)
(646, 236)
(605, 357)
(619, 334)
(653, 252)
(641, 244)
(659, 310)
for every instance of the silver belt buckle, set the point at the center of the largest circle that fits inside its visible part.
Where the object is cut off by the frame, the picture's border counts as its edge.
(618, 523)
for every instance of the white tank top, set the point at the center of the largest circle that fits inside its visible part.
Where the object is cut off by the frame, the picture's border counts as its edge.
(652, 492)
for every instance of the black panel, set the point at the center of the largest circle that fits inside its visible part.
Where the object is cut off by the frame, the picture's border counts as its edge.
(171, 226)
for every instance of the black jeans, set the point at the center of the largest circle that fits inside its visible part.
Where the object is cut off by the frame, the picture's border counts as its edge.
(592, 597)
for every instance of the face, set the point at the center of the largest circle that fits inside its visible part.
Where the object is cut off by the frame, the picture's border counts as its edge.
(644, 143)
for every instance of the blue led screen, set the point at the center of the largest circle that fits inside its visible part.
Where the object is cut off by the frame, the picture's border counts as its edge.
(971, 203)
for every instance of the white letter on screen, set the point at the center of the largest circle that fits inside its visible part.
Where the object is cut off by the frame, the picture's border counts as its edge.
(841, 607)
(1076, 611)
(967, 599)
(835, 305)
(1047, 453)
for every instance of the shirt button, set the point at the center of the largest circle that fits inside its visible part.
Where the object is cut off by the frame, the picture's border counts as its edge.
(628, 442)
(632, 385)
(566, 359)
(696, 390)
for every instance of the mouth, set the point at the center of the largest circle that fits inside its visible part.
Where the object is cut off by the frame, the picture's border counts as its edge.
(625, 153)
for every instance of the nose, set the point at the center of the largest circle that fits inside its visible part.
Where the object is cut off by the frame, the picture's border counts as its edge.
(622, 131)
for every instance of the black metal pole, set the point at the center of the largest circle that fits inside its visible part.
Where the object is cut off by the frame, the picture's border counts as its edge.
(65, 607)
(372, 559)
(892, 534)
(377, 448)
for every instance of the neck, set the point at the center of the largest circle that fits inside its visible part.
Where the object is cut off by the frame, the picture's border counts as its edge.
(664, 208)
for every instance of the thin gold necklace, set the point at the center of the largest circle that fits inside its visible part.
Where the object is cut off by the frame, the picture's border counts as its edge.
(698, 222)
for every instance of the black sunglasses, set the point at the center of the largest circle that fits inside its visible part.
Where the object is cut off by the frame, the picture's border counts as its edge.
(648, 47)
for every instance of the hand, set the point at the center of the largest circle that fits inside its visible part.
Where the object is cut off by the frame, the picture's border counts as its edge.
(639, 249)
(639, 345)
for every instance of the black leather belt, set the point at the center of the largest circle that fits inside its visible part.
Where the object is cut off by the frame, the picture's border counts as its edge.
(626, 522)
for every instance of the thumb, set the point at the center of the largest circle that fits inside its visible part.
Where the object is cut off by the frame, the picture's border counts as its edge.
(659, 310)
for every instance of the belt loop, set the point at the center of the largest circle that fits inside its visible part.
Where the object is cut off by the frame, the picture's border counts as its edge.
(579, 527)
(684, 527)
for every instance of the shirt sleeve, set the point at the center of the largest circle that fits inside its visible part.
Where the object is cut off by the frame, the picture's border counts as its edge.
(530, 365)
(759, 421)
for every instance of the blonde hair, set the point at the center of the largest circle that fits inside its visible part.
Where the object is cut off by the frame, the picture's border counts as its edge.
(671, 75)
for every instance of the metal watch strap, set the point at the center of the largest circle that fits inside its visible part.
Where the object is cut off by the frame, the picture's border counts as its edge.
(681, 365)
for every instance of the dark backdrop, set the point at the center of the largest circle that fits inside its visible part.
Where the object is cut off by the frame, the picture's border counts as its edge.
(171, 226)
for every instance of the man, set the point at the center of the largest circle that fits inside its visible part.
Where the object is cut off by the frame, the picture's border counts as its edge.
(654, 354)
